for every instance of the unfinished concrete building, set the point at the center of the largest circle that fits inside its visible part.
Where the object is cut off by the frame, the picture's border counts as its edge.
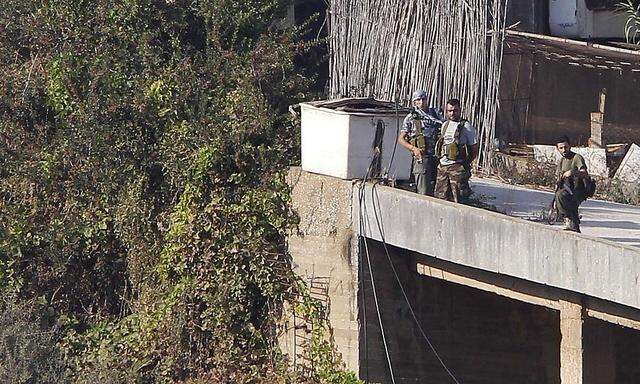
(463, 294)
(423, 290)
(567, 70)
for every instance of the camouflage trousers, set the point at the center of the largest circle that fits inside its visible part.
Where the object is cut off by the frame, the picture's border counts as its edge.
(452, 182)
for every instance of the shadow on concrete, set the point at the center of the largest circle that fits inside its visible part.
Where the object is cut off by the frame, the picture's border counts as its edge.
(585, 207)
(625, 240)
(610, 224)
(608, 205)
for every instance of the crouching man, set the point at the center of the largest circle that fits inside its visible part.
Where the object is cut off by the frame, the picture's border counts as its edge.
(570, 188)
(456, 148)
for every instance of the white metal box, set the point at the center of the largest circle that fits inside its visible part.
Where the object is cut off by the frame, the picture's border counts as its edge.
(340, 144)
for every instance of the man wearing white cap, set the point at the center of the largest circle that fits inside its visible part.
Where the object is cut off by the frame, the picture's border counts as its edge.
(419, 134)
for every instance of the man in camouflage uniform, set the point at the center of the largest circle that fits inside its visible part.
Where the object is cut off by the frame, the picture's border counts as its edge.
(418, 134)
(570, 190)
(457, 148)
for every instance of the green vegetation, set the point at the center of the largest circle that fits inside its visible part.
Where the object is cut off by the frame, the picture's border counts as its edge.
(143, 207)
(631, 9)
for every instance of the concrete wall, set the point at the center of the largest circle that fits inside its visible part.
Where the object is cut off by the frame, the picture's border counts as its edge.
(497, 243)
(516, 79)
(323, 248)
(532, 15)
(569, 113)
(539, 100)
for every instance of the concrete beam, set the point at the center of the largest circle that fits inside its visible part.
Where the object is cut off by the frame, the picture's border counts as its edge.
(614, 314)
(614, 319)
(441, 274)
(500, 244)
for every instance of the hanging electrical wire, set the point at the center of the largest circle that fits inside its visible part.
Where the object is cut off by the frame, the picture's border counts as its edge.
(363, 240)
(374, 197)
(362, 214)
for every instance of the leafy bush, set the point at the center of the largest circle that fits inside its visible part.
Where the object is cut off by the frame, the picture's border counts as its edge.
(142, 197)
(631, 10)
(28, 351)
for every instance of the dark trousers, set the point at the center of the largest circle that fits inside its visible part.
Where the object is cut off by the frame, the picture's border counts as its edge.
(425, 175)
(568, 203)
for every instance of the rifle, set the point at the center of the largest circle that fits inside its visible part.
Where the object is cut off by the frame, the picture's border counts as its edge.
(419, 141)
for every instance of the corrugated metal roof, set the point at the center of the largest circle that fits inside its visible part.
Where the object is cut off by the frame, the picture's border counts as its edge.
(361, 105)
(602, 4)
(574, 52)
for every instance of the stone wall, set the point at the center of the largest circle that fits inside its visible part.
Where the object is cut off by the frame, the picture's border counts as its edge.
(322, 248)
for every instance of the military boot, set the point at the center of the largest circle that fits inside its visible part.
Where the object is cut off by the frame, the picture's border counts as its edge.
(572, 225)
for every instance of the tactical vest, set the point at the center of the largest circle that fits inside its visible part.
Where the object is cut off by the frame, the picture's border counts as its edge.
(449, 143)
(419, 140)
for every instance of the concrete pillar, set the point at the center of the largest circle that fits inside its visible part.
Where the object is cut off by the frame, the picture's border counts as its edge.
(597, 121)
(571, 356)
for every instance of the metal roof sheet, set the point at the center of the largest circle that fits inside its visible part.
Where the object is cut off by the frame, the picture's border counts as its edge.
(574, 52)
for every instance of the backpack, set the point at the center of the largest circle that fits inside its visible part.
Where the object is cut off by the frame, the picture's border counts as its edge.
(589, 187)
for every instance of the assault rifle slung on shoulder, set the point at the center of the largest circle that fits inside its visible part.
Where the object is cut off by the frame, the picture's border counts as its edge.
(420, 141)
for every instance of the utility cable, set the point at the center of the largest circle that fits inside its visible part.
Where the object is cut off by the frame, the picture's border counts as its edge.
(374, 195)
(362, 214)
(364, 314)
(395, 143)
(362, 210)
(361, 272)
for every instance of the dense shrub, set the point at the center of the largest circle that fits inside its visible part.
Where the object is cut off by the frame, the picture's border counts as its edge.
(142, 198)
(28, 351)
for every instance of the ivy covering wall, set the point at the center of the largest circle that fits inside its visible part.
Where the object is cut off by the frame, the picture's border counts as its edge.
(143, 208)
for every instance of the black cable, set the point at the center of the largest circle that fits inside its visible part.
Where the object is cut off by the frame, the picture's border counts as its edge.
(395, 143)
(362, 285)
(377, 303)
(361, 271)
(364, 309)
(362, 212)
(374, 196)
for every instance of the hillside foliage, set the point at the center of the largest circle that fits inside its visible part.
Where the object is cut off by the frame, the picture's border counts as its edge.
(143, 206)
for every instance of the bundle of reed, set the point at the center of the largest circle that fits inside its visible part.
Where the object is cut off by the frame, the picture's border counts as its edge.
(451, 48)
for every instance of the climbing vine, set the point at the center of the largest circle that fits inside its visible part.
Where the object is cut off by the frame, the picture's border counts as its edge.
(321, 356)
(143, 205)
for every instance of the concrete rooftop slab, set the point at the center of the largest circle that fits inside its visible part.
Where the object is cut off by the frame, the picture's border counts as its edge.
(507, 245)
(607, 220)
